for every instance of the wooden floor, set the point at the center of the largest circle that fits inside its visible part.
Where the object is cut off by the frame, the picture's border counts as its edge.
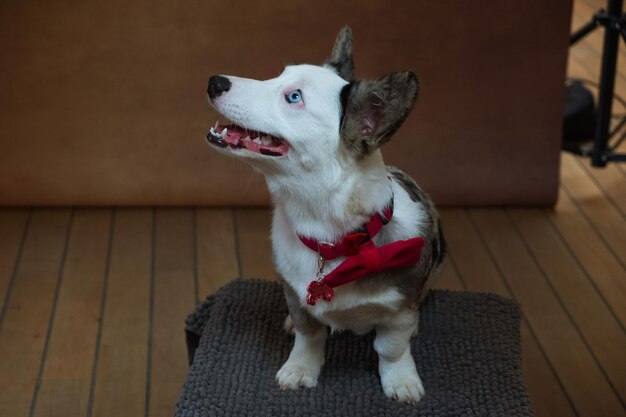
(92, 301)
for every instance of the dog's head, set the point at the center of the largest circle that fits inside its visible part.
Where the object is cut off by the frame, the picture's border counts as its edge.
(310, 115)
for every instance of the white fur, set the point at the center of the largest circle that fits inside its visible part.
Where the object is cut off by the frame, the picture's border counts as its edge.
(319, 192)
(305, 361)
(396, 366)
(261, 105)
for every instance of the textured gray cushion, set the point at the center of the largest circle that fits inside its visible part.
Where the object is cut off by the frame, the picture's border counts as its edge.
(467, 354)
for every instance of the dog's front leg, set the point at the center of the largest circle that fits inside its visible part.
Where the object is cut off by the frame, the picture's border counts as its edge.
(396, 366)
(306, 359)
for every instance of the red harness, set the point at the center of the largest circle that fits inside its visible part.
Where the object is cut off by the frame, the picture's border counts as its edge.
(364, 257)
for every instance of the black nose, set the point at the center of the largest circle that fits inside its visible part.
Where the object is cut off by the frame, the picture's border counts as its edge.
(217, 85)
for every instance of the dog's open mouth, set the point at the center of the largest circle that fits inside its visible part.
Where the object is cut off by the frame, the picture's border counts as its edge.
(237, 137)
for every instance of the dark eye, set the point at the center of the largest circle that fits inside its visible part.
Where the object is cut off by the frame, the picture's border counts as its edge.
(294, 97)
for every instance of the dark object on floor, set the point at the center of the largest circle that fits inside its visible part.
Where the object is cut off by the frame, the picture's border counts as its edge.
(613, 20)
(579, 119)
(467, 354)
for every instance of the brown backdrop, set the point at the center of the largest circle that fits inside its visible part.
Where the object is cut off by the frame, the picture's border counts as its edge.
(104, 102)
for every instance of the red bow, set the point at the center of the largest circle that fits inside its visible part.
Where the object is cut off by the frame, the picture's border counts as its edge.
(369, 259)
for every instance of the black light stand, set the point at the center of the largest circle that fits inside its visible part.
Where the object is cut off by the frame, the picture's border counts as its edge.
(614, 22)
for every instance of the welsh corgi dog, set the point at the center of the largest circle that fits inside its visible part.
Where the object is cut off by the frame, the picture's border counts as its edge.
(357, 243)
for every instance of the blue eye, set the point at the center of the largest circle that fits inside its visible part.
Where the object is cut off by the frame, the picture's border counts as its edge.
(294, 97)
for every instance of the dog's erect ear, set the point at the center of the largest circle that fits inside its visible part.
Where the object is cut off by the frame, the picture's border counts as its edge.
(374, 110)
(341, 57)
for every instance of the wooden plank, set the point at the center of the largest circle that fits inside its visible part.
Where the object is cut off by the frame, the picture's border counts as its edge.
(599, 211)
(472, 259)
(448, 278)
(577, 369)
(216, 249)
(119, 382)
(600, 328)
(582, 14)
(253, 239)
(584, 56)
(592, 252)
(479, 273)
(25, 325)
(576, 70)
(589, 49)
(585, 62)
(581, 70)
(13, 224)
(66, 379)
(547, 393)
(174, 299)
(610, 180)
(594, 43)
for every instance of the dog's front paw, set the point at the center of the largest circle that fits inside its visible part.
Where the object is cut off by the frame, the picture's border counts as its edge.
(297, 375)
(406, 388)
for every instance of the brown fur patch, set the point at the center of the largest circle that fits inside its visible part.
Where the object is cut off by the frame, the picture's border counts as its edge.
(375, 109)
(341, 56)
(413, 282)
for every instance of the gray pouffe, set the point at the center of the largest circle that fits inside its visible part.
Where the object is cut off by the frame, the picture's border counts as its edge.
(467, 354)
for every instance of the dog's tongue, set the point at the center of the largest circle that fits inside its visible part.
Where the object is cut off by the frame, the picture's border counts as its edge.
(235, 133)
(253, 140)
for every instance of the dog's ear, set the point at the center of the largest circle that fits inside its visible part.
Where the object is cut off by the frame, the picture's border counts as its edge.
(341, 57)
(374, 110)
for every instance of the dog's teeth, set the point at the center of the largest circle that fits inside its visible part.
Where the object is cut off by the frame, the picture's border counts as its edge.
(224, 132)
(212, 131)
(266, 140)
(216, 124)
(258, 141)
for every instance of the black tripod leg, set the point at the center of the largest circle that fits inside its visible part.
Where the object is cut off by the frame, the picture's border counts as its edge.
(607, 82)
(583, 31)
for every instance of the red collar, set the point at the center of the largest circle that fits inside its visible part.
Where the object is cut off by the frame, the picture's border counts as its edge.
(363, 256)
(349, 244)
